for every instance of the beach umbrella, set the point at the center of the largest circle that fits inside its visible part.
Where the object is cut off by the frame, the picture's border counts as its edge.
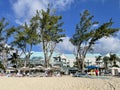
(33, 68)
(91, 67)
(11, 68)
(24, 69)
(56, 67)
(39, 67)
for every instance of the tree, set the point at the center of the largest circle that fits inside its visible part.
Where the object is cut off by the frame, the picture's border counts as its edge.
(3, 25)
(106, 61)
(113, 59)
(14, 59)
(86, 35)
(49, 31)
(98, 58)
(2, 66)
(24, 38)
(4, 36)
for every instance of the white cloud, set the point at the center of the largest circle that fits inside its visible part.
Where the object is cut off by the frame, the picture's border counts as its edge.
(106, 45)
(95, 25)
(99, 1)
(118, 34)
(102, 46)
(25, 9)
(18, 22)
(65, 46)
(61, 4)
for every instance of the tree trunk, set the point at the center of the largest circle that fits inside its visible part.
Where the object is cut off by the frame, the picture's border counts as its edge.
(114, 63)
(83, 64)
(4, 59)
(28, 61)
(46, 60)
(78, 62)
(46, 63)
(106, 67)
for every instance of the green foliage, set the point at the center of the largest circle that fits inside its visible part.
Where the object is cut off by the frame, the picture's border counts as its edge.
(49, 31)
(106, 61)
(3, 25)
(86, 34)
(2, 66)
(50, 27)
(98, 58)
(105, 30)
(5, 33)
(110, 60)
(5, 30)
(76, 64)
(113, 59)
(25, 36)
(84, 29)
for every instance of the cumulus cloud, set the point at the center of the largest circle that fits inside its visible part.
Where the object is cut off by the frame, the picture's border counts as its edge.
(25, 9)
(95, 25)
(106, 45)
(103, 46)
(61, 4)
(65, 46)
(118, 34)
(100, 1)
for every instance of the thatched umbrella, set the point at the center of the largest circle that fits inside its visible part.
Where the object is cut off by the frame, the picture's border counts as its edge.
(10, 69)
(39, 67)
(24, 69)
(56, 67)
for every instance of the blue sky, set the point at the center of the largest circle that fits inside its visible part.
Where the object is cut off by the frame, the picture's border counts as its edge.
(19, 11)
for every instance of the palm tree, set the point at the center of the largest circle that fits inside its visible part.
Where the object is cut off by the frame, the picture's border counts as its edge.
(113, 58)
(98, 58)
(106, 61)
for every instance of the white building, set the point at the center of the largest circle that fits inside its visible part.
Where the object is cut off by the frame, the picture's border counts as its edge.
(66, 59)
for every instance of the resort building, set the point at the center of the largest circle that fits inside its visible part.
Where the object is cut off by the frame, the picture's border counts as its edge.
(67, 60)
(64, 61)
(59, 59)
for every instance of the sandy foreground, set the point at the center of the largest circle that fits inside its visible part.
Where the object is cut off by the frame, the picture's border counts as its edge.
(58, 83)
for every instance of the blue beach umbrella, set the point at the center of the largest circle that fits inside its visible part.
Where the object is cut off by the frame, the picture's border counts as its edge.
(91, 67)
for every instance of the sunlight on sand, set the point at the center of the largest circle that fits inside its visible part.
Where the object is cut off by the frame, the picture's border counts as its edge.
(58, 83)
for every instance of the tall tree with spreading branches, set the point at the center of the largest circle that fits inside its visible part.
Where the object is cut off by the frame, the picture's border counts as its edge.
(4, 36)
(25, 37)
(86, 35)
(49, 31)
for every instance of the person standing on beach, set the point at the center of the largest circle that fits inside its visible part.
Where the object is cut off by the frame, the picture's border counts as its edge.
(97, 72)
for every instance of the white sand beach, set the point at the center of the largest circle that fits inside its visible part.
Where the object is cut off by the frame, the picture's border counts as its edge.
(58, 83)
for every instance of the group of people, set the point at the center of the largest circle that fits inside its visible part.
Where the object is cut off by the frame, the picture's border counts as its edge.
(94, 72)
(50, 73)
